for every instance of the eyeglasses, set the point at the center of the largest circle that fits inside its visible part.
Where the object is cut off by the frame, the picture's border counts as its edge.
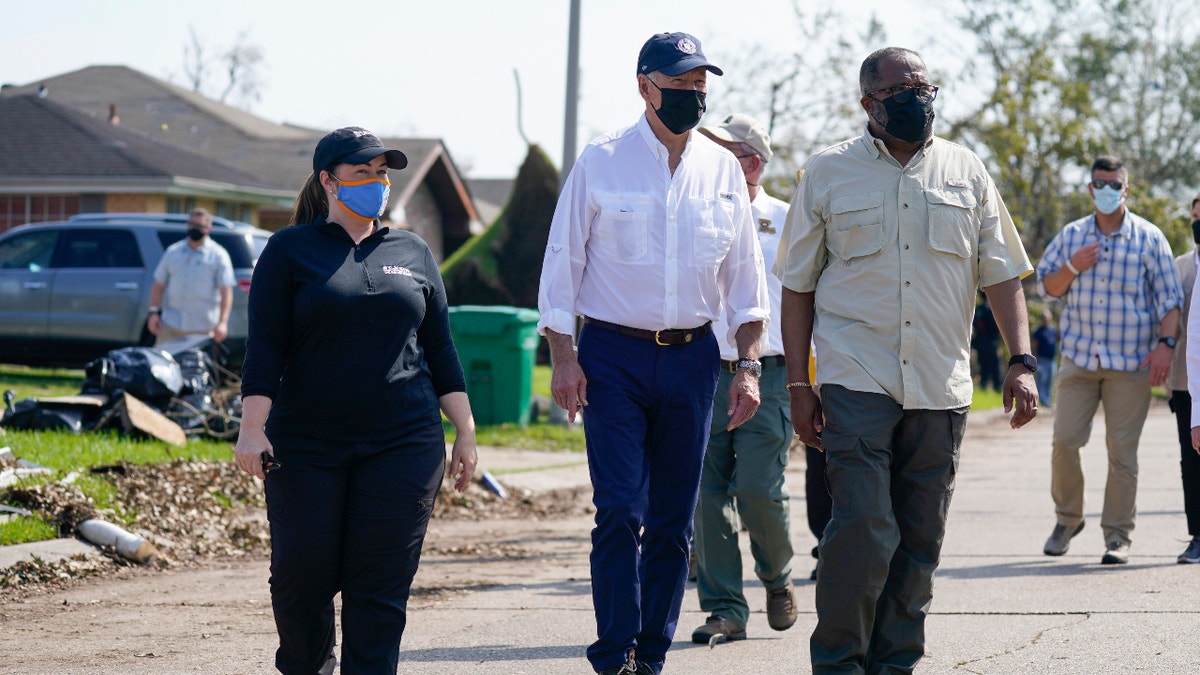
(1114, 184)
(903, 93)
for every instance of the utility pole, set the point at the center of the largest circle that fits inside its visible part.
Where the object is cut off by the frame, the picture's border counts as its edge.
(572, 106)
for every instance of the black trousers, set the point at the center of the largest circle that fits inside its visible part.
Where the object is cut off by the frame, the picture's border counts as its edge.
(820, 503)
(1189, 460)
(351, 519)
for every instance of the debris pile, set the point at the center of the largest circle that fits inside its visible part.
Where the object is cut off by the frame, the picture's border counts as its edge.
(170, 392)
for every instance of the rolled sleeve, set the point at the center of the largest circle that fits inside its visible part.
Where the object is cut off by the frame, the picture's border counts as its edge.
(565, 258)
(1168, 294)
(743, 275)
(1052, 260)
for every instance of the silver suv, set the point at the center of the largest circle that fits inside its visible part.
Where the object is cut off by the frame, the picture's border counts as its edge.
(72, 290)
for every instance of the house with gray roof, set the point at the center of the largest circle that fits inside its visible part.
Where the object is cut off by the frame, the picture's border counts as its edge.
(117, 139)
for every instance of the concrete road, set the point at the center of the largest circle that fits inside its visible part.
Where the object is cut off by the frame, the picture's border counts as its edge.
(1000, 605)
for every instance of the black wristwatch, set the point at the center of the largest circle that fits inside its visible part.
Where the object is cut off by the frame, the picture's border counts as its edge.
(1027, 360)
(1168, 341)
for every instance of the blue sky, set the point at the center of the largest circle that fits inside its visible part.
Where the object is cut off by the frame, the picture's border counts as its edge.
(430, 69)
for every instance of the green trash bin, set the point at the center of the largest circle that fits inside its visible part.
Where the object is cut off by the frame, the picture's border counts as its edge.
(498, 348)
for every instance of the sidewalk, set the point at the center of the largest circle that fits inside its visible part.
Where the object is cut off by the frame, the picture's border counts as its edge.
(1000, 606)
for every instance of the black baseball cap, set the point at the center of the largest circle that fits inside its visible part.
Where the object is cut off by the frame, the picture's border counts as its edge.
(353, 145)
(673, 54)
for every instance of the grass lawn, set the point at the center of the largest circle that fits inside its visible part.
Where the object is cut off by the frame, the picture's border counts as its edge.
(65, 452)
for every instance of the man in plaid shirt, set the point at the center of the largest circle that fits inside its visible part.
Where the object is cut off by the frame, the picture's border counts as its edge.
(1123, 300)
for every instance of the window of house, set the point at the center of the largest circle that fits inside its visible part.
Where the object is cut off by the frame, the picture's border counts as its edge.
(20, 209)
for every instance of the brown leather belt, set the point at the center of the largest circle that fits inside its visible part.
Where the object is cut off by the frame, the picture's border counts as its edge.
(663, 338)
(774, 361)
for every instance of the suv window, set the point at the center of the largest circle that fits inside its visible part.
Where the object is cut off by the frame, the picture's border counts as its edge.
(232, 242)
(82, 248)
(31, 250)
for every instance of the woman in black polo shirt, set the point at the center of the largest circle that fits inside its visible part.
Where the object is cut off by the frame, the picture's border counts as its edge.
(349, 363)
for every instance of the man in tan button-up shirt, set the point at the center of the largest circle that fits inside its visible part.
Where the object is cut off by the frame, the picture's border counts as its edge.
(888, 237)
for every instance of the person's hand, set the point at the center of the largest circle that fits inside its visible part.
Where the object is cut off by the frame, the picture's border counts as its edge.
(1159, 361)
(153, 322)
(220, 331)
(251, 444)
(808, 420)
(568, 385)
(1196, 439)
(744, 398)
(1020, 396)
(1086, 257)
(463, 458)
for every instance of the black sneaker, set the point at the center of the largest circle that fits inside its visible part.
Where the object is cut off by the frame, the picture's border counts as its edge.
(630, 667)
(718, 626)
(1192, 554)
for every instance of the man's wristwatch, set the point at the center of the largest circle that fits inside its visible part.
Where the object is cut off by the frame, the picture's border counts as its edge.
(1027, 360)
(155, 310)
(750, 365)
(1168, 341)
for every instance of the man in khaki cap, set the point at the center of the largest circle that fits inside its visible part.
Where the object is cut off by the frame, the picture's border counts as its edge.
(745, 465)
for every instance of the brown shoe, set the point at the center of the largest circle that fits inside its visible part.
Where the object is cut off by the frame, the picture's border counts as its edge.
(781, 607)
(718, 625)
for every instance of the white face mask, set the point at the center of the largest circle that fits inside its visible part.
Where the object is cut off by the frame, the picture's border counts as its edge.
(1107, 199)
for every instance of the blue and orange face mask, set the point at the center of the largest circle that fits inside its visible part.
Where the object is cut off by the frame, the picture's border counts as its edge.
(364, 199)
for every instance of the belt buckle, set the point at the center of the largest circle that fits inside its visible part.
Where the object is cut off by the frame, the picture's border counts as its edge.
(658, 341)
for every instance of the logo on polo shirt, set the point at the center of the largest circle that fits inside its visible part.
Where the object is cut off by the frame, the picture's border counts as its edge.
(727, 196)
(686, 46)
(764, 226)
(396, 269)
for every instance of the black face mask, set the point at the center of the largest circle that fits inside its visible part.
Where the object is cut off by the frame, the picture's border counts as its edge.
(1196, 231)
(681, 108)
(194, 234)
(910, 121)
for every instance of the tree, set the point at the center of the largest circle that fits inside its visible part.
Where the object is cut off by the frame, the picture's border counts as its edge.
(806, 97)
(1074, 80)
(241, 64)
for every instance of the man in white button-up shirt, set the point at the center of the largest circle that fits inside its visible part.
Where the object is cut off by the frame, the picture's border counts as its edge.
(651, 240)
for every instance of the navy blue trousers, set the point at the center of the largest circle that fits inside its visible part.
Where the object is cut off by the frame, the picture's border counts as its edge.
(646, 426)
(351, 519)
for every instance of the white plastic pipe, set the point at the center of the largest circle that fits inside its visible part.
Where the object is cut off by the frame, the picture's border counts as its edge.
(127, 544)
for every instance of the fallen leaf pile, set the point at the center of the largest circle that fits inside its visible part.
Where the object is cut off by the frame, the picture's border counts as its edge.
(480, 503)
(193, 511)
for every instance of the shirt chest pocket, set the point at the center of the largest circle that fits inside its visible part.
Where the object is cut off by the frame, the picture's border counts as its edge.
(712, 232)
(856, 226)
(952, 225)
(621, 227)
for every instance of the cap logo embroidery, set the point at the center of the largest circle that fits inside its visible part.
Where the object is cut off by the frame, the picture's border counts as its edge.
(360, 133)
(396, 269)
(686, 46)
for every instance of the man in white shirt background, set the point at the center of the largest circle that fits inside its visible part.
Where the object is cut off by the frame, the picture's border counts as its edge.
(743, 474)
(652, 239)
(192, 292)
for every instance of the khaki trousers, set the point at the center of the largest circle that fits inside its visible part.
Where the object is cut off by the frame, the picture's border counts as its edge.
(1126, 399)
(167, 333)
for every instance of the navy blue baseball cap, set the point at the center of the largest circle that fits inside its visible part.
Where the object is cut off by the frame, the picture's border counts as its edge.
(673, 54)
(353, 145)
